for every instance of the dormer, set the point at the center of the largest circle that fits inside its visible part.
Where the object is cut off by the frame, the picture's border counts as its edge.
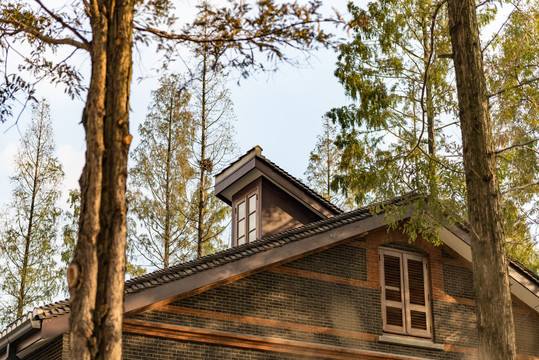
(265, 199)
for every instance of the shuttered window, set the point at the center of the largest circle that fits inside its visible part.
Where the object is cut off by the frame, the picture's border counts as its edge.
(405, 295)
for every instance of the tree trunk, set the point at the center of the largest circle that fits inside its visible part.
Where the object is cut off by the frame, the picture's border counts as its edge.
(491, 284)
(28, 237)
(203, 162)
(96, 275)
(82, 272)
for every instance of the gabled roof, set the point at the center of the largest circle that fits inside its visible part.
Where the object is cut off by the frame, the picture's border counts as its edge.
(252, 165)
(162, 286)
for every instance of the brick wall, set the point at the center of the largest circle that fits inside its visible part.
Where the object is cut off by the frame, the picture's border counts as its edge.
(326, 300)
(56, 349)
(324, 305)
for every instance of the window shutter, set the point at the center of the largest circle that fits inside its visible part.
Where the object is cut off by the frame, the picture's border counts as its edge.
(392, 294)
(405, 297)
(417, 300)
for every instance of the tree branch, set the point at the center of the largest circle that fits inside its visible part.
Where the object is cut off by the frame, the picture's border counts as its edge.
(245, 38)
(50, 40)
(525, 145)
(513, 87)
(521, 187)
(64, 24)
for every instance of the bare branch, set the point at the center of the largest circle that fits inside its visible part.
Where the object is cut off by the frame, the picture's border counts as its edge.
(50, 40)
(513, 87)
(64, 24)
(525, 145)
(521, 187)
(242, 38)
(499, 30)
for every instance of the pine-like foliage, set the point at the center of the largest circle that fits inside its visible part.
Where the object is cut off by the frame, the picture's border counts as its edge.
(324, 165)
(160, 178)
(28, 249)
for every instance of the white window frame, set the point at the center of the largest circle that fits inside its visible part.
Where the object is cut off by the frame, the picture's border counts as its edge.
(248, 212)
(405, 304)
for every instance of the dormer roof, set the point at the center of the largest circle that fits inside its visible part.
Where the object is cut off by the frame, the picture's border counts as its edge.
(254, 165)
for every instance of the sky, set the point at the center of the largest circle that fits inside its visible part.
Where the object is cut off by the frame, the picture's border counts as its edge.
(282, 112)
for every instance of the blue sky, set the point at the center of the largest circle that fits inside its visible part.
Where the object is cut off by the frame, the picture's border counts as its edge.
(280, 111)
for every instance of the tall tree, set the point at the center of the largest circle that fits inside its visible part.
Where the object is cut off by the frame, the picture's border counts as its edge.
(325, 164)
(28, 246)
(96, 274)
(213, 145)
(394, 133)
(212, 148)
(161, 176)
(490, 266)
(512, 70)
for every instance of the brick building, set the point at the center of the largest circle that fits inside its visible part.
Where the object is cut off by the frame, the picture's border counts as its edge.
(302, 280)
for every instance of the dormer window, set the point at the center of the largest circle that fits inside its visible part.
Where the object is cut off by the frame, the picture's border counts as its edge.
(246, 218)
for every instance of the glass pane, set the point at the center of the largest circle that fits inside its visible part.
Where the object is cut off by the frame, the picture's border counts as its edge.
(394, 316)
(241, 210)
(252, 204)
(252, 235)
(416, 282)
(241, 228)
(419, 320)
(392, 271)
(252, 221)
(241, 240)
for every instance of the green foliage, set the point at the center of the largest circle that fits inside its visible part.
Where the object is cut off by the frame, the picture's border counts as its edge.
(323, 165)
(395, 136)
(160, 177)
(28, 270)
(513, 74)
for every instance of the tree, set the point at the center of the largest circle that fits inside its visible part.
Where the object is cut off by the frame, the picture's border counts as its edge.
(512, 69)
(161, 176)
(214, 145)
(324, 165)
(212, 148)
(490, 266)
(96, 274)
(28, 239)
(392, 131)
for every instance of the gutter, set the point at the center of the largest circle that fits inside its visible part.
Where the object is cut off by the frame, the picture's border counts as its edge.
(19, 332)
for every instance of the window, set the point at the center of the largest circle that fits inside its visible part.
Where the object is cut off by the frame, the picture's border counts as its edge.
(246, 219)
(405, 293)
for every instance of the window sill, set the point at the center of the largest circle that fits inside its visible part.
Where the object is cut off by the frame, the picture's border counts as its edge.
(427, 344)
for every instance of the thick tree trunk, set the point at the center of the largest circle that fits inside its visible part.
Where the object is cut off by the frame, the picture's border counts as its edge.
(96, 275)
(493, 297)
(113, 232)
(82, 272)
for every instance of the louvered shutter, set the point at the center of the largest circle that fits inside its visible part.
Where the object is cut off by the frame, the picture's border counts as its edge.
(405, 295)
(392, 292)
(416, 296)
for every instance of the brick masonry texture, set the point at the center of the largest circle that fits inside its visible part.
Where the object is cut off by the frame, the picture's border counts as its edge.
(296, 299)
(341, 260)
(329, 298)
(458, 281)
(142, 347)
(54, 350)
